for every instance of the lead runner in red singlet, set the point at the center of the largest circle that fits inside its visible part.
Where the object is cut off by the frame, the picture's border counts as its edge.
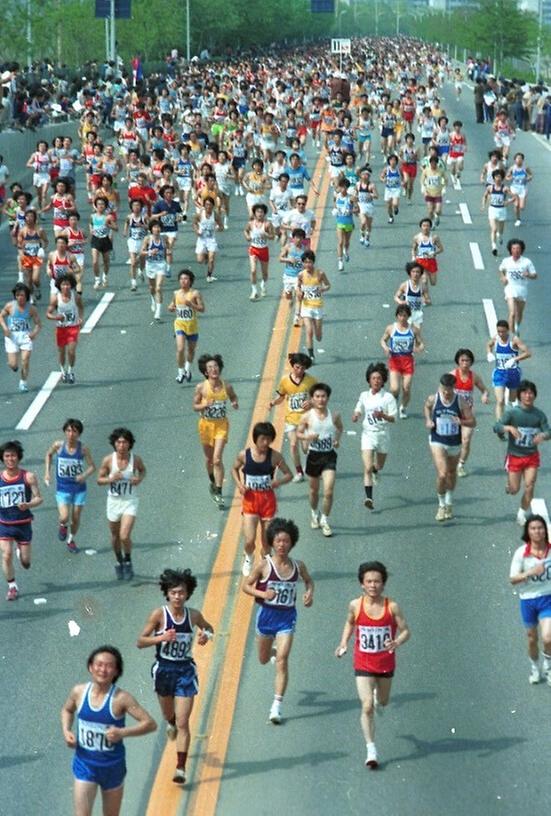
(379, 628)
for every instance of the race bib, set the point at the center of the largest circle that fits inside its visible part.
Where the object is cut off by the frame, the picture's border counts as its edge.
(373, 639)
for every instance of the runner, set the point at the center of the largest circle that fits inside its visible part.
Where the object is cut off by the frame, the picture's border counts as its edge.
(515, 272)
(456, 156)
(170, 629)
(409, 158)
(379, 628)
(312, 284)
(526, 427)
(61, 262)
(520, 176)
(15, 321)
(378, 408)
(258, 232)
(273, 584)
(19, 495)
(135, 230)
(446, 413)
(413, 293)
(530, 574)
(508, 351)
(154, 250)
(101, 707)
(291, 255)
(433, 184)
(465, 383)
(31, 243)
(167, 212)
(253, 473)
(206, 222)
(497, 197)
(101, 224)
(426, 245)
(76, 243)
(67, 309)
(74, 464)
(295, 388)
(366, 193)
(322, 430)
(300, 217)
(122, 471)
(210, 400)
(40, 161)
(393, 179)
(345, 207)
(186, 303)
(400, 341)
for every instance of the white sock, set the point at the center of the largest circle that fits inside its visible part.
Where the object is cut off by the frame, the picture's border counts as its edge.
(441, 499)
(180, 372)
(69, 538)
(449, 496)
(157, 310)
(133, 282)
(314, 514)
(323, 518)
(187, 366)
(546, 661)
(535, 664)
(254, 290)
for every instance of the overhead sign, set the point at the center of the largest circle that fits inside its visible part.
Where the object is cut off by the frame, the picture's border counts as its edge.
(322, 6)
(123, 10)
(340, 46)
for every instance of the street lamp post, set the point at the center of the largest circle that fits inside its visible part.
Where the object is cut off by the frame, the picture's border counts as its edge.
(540, 33)
(188, 33)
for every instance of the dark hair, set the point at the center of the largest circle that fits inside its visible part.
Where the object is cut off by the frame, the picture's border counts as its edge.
(283, 175)
(281, 525)
(21, 287)
(504, 324)
(308, 255)
(256, 207)
(101, 198)
(411, 265)
(112, 650)
(264, 429)
(76, 424)
(514, 241)
(403, 308)
(205, 358)
(298, 232)
(426, 218)
(63, 278)
(527, 385)
(298, 358)
(447, 380)
(187, 272)
(74, 214)
(377, 368)
(525, 537)
(170, 578)
(372, 566)
(464, 352)
(320, 387)
(13, 446)
(125, 433)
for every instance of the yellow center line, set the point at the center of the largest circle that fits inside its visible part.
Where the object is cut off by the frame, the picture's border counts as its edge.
(166, 797)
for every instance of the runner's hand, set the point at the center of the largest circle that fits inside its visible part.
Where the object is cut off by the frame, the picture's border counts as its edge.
(114, 734)
(269, 594)
(168, 636)
(70, 739)
(340, 651)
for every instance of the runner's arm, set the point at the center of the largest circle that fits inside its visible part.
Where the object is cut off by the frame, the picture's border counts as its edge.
(348, 629)
(50, 453)
(308, 596)
(404, 633)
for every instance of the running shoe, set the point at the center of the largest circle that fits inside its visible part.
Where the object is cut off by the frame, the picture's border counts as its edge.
(371, 759)
(70, 377)
(436, 220)
(23, 387)
(247, 567)
(275, 713)
(461, 472)
(369, 503)
(391, 219)
(346, 257)
(12, 594)
(171, 731)
(133, 287)
(298, 477)
(518, 222)
(362, 240)
(262, 289)
(326, 529)
(441, 514)
(396, 210)
(118, 571)
(521, 517)
(127, 570)
(72, 546)
(97, 283)
(449, 511)
(187, 375)
(535, 676)
(62, 532)
(64, 377)
(211, 278)
(340, 265)
(403, 412)
(367, 242)
(494, 249)
(184, 217)
(180, 378)
(315, 521)
(219, 500)
(179, 776)
(254, 296)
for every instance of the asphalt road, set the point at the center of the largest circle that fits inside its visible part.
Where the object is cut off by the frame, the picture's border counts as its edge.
(464, 726)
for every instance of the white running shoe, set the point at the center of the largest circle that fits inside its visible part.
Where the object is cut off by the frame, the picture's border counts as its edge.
(449, 511)
(340, 265)
(298, 477)
(403, 412)
(247, 567)
(325, 528)
(275, 713)
(518, 222)
(97, 283)
(262, 289)
(441, 514)
(254, 296)
(179, 776)
(372, 760)
(315, 521)
(171, 731)
(521, 517)
(535, 676)
(461, 472)
(23, 387)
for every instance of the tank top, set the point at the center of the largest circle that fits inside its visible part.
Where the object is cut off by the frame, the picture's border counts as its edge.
(497, 196)
(92, 723)
(258, 475)
(68, 467)
(504, 352)
(207, 226)
(59, 266)
(76, 241)
(41, 163)
(364, 194)
(464, 388)
(186, 316)
(409, 155)
(425, 247)
(401, 343)
(69, 310)
(100, 228)
(311, 288)
(174, 653)
(414, 298)
(392, 178)
(258, 235)
(293, 262)
(31, 244)
(285, 588)
(19, 320)
(123, 489)
(13, 492)
(218, 408)
(447, 429)
(345, 209)
(159, 256)
(519, 176)
(61, 211)
(324, 427)
(372, 634)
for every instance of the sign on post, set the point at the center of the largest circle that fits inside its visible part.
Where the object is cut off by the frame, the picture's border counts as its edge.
(322, 6)
(341, 46)
(123, 9)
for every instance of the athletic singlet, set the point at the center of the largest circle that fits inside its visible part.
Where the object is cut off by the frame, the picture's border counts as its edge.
(123, 488)
(186, 316)
(258, 475)
(311, 289)
(31, 244)
(69, 311)
(217, 409)
(497, 197)
(19, 320)
(159, 256)
(464, 388)
(401, 343)
(414, 298)
(293, 261)
(76, 241)
(206, 226)
(174, 653)
(92, 725)
(447, 428)
(370, 643)
(425, 247)
(100, 228)
(324, 428)
(258, 235)
(365, 196)
(68, 467)
(392, 178)
(285, 588)
(519, 176)
(345, 209)
(13, 492)
(504, 352)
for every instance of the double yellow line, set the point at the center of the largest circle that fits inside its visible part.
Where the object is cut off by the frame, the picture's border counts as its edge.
(166, 798)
